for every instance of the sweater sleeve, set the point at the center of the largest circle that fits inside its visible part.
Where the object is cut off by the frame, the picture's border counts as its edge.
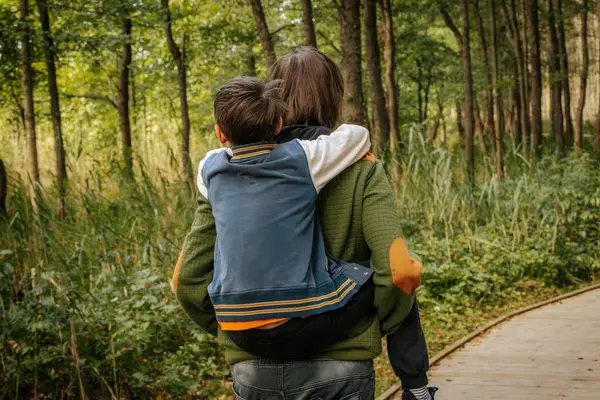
(195, 267)
(397, 272)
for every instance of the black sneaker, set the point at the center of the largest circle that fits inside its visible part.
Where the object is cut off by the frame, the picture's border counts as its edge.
(407, 395)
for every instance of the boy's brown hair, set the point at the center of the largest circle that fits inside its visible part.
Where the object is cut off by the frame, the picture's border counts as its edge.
(248, 110)
(312, 87)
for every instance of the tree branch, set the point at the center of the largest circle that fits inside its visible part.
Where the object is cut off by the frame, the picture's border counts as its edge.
(450, 24)
(281, 28)
(329, 42)
(512, 32)
(169, 33)
(92, 97)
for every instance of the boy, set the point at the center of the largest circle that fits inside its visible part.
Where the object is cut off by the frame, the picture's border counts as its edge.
(275, 291)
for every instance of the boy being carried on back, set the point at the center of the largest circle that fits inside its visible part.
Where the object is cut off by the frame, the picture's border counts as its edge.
(275, 290)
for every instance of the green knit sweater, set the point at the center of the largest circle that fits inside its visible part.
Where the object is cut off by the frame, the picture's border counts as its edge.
(359, 220)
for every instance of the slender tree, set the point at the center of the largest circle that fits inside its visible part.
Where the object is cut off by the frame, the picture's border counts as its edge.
(439, 118)
(59, 150)
(564, 71)
(27, 80)
(536, 76)
(556, 115)
(525, 32)
(486, 73)
(517, 112)
(389, 56)
(585, 61)
(597, 124)
(479, 128)
(263, 31)
(381, 129)
(353, 107)
(460, 122)
(250, 61)
(308, 24)
(498, 113)
(468, 78)
(124, 65)
(132, 97)
(463, 40)
(520, 72)
(3, 189)
(180, 61)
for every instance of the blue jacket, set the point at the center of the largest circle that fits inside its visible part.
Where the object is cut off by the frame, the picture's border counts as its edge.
(270, 259)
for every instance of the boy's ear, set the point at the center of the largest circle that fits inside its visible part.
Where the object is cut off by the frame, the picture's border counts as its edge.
(220, 135)
(279, 126)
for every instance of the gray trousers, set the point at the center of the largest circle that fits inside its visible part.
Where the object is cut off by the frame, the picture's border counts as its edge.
(304, 380)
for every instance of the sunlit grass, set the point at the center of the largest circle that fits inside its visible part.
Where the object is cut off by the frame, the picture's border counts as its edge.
(102, 274)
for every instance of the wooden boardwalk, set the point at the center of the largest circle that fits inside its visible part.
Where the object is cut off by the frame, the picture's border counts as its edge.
(551, 352)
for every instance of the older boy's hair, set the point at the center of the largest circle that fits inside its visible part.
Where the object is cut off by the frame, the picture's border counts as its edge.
(248, 110)
(312, 87)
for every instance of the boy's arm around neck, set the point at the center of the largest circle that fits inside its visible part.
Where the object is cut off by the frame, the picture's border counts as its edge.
(328, 155)
(195, 268)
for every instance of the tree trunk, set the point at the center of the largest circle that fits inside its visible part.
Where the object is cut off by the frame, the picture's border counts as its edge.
(28, 110)
(250, 62)
(521, 105)
(427, 88)
(463, 40)
(419, 90)
(3, 189)
(536, 77)
(516, 121)
(498, 114)
(381, 129)
(585, 62)
(524, 33)
(556, 115)
(468, 78)
(597, 124)
(179, 58)
(59, 150)
(124, 65)
(132, 96)
(460, 122)
(439, 116)
(263, 32)
(487, 74)
(479, 128)
(353, 107)
(564, 67)
(389, 56)
(308, 24)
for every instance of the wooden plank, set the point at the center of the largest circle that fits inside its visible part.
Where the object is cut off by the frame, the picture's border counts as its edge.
(550, 352)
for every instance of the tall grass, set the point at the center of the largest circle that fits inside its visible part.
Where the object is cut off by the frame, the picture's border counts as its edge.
(86, 307)
(481, 243)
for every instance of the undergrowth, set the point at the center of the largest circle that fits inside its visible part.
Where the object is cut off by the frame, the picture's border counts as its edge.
(86, 305)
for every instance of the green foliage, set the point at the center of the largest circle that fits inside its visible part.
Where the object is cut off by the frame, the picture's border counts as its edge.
(106, 268)
(479, 245)
(86, 301)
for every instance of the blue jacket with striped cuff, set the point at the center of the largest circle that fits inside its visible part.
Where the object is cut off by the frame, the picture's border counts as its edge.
(270, 258)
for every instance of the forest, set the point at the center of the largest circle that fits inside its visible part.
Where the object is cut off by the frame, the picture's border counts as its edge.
(485, 112)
